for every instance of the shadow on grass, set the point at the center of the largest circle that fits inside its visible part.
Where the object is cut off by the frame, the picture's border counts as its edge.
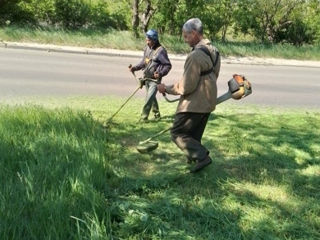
(68, 178)
(247, 151)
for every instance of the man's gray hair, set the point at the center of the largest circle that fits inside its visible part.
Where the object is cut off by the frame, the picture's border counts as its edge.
(193, 24)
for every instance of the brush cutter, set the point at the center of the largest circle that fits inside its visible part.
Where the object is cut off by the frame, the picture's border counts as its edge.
(239, 87)
(141, 83)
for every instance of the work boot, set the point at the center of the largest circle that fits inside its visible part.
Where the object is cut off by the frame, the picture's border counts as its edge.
(157, 116)
(201, 164)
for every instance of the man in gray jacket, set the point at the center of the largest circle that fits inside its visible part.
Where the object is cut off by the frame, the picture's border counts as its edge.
(156, 64)
(198, 91)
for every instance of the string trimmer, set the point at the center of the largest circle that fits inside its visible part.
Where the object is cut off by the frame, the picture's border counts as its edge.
(141, 83)
(239, 87)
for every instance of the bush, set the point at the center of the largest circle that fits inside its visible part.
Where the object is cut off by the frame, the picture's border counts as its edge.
(102, 18)
(15, 12)
(72, 13)
(42, 10)
(296, 33)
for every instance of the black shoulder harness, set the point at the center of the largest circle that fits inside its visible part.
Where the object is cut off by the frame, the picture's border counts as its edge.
(214, 63)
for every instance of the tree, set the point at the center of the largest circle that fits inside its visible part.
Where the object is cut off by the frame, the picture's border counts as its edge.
(142, 16)
(135, 17)
(312, 18)
(227, 9)
(172, 14)
(266, 18)
(164, 19)
(146, 15)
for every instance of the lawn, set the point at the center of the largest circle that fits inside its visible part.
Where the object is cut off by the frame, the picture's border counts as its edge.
(64, 176)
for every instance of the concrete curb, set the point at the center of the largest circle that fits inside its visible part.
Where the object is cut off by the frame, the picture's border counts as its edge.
(138, 54)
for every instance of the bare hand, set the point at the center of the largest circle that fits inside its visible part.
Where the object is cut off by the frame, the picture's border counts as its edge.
(161, 88)
(156, 75)
(131, 68)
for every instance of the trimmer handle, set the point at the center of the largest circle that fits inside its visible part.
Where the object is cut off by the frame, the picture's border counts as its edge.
(169, 100)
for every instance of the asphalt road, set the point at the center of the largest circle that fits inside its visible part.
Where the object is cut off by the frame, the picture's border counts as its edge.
(25, 73)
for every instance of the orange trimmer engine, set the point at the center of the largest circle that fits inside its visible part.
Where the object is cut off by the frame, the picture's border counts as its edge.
(239, 87)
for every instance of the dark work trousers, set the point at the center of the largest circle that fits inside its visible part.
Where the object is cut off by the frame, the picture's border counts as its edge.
(187, 131)
(151, 101)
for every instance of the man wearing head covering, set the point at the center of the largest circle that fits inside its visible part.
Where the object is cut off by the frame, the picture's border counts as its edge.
(155, 64)
(198, 91)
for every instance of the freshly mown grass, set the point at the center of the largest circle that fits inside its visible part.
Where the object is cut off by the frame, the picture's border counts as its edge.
(64, 176)
(174, 44)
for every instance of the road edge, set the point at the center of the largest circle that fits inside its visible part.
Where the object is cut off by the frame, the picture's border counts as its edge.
(138, 54)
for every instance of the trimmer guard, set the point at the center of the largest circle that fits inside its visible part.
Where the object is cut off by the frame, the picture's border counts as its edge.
(147, 147)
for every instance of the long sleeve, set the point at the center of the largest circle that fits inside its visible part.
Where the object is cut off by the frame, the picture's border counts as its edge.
(198, 92)
(190, 79)
(165, 64)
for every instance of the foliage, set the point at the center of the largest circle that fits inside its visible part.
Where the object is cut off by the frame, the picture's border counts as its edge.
(118, 11)
(15, 12)
(72, 13)
(276, 21)
(88, 14)
(312, 18)
(170, 16)
(44, 11)
(296, 33)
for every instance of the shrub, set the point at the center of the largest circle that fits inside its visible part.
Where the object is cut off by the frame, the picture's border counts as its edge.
(296, 33)
(15, 12)
(72, 13)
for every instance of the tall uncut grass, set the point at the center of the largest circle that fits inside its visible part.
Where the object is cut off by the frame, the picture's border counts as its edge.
(64, 176)
(174, 44)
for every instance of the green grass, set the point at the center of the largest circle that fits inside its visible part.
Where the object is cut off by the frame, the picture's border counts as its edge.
(65, 177)
(286, 51)
(174, 44)
(84, 38)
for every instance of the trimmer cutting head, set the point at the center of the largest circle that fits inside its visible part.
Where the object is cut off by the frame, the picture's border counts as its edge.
(146, 147)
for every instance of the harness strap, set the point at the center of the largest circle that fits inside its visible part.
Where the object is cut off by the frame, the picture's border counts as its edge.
(154, 53)
(214, 63)
(157, 50)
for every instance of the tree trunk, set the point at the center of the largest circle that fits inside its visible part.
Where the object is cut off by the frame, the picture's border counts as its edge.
(224, 32)
(146, 16)
(135, 18)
